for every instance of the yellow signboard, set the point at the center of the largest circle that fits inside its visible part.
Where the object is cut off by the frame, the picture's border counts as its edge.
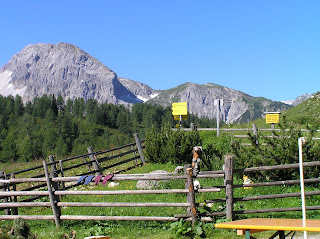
(272, 118)
(183, 117)
(180, 108)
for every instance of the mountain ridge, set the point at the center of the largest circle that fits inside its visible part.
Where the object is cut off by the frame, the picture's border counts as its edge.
(66, 70)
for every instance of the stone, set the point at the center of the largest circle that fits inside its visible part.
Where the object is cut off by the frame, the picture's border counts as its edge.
(152, 184)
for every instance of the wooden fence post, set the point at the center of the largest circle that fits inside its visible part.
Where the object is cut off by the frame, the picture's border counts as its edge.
(15, 199)
(62, 174)
(138, 143)
(134, 155)
(94, 160)
(190, 195)
(193, 127)
(52, 187)
(53, 167)
(5, 200)
(228, 182)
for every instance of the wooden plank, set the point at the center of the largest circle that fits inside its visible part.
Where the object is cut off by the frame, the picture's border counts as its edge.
(273, 196)
(120, 204)
(286, 182)
(24, 193)
(121, 192)
(276, 167)
(121, 178)
(267, 210)
(25, 204)
(117, 218)
(27, 217)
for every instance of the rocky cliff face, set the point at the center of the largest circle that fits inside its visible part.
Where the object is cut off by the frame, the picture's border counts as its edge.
(235, 106)
(141, 91)
(61, 69)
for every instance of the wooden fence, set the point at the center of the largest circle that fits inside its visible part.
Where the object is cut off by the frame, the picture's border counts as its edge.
(126, 157)
(54, 193)
(259, 134)
(192, 213)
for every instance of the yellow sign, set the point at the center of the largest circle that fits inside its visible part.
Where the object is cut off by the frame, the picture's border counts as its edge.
(272, 118)
(180, 108)
(183, 117)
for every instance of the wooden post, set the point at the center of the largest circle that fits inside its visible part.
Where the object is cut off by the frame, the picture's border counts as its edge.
(193, 127)
(62, 174)
(53, 167)
(134, 155)
(94, 160)
(192, 210)
(255, 132)
(5, 200)
(138, 143)
(228, 182)
(15, 199)
(52, 187)
(54, 171)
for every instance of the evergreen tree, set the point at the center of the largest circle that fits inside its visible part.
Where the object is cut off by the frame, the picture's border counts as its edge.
(18, 106)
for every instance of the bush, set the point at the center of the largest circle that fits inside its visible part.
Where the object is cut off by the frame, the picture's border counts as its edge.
(171, 146)
(214, 150)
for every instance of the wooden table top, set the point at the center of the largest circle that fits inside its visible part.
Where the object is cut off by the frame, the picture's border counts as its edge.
(270, 224)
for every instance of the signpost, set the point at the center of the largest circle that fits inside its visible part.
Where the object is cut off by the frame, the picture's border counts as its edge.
(218, 103)
(180, 111)
(272, 118)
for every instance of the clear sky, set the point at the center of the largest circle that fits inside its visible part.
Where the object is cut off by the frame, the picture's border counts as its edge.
(266, 48)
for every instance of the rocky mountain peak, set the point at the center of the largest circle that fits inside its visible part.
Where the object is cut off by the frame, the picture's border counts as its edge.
(61, 69)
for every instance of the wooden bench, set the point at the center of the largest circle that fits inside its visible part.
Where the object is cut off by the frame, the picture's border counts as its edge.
(254, 225)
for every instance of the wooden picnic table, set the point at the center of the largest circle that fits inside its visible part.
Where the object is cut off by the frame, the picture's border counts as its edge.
(254, 225)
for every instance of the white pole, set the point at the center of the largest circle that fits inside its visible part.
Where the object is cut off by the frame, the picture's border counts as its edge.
(218, 116)
(303, 202)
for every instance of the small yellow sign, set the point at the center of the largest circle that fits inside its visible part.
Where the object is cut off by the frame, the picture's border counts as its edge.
(180, 108)
(272, 118)
(183, 117)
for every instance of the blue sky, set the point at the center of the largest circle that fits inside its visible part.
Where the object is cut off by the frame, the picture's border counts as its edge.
(263, 48)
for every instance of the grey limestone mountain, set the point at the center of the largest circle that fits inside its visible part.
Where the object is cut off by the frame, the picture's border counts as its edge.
(236, 107)
(140, 90)
(61, 69)
(64, 69)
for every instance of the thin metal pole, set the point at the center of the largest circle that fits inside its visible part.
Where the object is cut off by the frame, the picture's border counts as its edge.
(303, 202)
(218, 116)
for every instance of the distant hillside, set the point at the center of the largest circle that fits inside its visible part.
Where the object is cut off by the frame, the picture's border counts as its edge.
(298, 99)
(307, 112)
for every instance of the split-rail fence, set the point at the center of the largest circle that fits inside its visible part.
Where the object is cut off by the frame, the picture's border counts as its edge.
(192, 205)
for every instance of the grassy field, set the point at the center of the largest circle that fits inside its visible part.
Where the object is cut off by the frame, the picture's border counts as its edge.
(132, 229)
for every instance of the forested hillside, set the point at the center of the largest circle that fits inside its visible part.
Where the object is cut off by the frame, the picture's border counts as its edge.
(50, 125)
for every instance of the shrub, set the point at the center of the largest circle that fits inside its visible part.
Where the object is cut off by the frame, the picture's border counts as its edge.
(171, 146)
